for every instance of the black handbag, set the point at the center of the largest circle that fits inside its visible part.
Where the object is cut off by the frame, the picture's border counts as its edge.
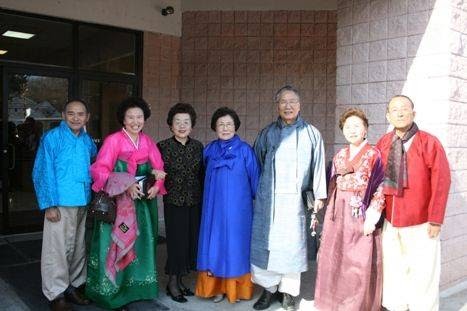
(146, 183)
(103, 207)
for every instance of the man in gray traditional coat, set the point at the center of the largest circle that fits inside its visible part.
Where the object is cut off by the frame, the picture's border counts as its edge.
(291, 154)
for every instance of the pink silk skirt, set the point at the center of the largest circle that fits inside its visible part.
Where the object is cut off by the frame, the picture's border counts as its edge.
(349, 275)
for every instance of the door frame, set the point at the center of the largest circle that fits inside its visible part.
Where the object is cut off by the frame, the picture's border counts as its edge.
(75, 74)
(75, 82)
(4, 147)
(6, 71)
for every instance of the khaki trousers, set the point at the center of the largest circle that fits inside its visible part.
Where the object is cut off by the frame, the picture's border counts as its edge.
(272, 281)
(63, 258)
(411, 268)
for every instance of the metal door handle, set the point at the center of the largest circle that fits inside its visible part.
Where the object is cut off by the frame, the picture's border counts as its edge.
(13, 156)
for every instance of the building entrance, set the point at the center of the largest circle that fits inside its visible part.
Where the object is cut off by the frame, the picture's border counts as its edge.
(44, 62)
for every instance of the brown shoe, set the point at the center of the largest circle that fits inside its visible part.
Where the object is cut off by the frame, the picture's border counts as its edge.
(60, 304)
(76, 297)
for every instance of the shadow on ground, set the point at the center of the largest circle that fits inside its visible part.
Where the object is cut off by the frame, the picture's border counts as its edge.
(20, 269)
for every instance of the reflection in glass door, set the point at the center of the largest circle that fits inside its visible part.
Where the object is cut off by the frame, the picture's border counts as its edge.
(103, 99)
(34, 106)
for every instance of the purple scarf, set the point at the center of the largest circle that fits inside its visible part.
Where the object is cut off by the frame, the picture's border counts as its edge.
(395, 176)
(376, 178)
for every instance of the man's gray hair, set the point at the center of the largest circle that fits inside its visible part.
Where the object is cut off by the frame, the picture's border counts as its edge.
(285, 88)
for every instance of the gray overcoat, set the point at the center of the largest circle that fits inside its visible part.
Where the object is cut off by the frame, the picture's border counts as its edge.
(312, 173)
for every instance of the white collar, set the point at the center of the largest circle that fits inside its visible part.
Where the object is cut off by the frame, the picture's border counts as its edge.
(135, 144)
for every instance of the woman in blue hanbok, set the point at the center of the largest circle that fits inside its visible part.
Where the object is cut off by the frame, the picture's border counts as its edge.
(232, 174)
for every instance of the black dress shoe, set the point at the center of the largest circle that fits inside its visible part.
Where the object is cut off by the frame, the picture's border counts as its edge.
(60, 304)
(177, 298)
(288, 302)
(76, 297)
(265, 300)
(186, 291)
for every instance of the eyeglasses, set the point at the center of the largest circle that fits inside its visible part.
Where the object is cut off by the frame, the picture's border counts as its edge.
(292, 102)
(225, 125)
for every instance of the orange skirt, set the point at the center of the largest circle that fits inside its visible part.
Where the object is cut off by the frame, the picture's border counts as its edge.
(234, 288)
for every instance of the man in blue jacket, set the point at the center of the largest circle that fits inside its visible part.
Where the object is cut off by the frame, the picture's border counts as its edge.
(62, 183)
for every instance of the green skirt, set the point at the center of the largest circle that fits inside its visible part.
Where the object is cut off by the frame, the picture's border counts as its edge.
(138, 280)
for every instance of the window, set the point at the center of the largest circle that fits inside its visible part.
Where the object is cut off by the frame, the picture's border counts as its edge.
(106, 50)
(50, 42)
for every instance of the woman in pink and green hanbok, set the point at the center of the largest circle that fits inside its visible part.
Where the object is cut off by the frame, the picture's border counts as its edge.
(122, 259)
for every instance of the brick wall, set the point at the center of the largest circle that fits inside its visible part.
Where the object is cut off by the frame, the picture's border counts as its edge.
(416, 48)
(240, 58)
(454, 249)
(161, 80)
(384, 47)
(161, 88)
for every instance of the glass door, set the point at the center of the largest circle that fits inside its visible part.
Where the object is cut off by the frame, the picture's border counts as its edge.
(103, 98)
(3, 155)
(59, 59)
(33, 106)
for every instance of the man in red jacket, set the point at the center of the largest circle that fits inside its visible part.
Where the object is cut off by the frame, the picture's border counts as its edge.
(416, 187)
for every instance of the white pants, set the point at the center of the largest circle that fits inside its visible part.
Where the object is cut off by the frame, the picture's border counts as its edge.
(63, 258)
(272, 281)
(411, 268)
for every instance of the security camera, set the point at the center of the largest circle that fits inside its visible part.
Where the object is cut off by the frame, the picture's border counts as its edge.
(167, 11)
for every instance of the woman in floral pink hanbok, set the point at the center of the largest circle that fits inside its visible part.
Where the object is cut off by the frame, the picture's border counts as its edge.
(349, 259)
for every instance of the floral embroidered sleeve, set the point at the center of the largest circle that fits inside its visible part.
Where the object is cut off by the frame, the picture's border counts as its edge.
(377, 201)
(373, 213)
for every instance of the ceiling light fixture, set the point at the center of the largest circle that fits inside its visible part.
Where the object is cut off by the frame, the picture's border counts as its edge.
(18, 34)
(167, 11)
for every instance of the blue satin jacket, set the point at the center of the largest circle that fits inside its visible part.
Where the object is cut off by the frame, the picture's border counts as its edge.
(61, 169)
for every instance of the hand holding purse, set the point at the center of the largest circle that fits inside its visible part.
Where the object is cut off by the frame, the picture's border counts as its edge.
(146, 183)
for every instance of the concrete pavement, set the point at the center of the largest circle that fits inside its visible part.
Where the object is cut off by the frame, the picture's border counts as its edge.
(20, 288)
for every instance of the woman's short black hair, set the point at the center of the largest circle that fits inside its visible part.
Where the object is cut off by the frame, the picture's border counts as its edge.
(181, 108)
(132, 102)
(222, 112)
